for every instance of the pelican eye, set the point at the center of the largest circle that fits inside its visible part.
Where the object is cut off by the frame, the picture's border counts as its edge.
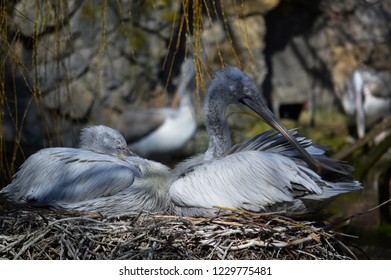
(246, 91)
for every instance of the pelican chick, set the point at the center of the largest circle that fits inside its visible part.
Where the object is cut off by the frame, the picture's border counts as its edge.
(99, 176)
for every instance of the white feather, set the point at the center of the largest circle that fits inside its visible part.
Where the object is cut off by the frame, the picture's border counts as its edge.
(248, 180)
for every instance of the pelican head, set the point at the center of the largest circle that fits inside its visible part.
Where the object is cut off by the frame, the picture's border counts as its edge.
(104, 140)
(234, 86)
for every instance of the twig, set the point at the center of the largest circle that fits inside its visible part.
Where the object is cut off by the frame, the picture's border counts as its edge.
(32, 242)
(332, 225)
(384, 126)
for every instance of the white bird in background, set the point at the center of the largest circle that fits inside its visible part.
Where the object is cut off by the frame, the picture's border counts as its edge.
(366, 95)
(283, 172)
(99, 174)
(160, 132)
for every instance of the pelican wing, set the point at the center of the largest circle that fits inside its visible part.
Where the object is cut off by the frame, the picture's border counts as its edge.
(249, 180)
(66, 174)
(147, 193)
(273, 142)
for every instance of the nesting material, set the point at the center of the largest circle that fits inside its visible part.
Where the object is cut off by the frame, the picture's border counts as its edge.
(43, 234)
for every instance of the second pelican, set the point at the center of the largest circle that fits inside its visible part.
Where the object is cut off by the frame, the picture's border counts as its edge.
(282, 172)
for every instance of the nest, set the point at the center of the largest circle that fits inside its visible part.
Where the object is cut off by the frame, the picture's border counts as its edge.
(44, 234)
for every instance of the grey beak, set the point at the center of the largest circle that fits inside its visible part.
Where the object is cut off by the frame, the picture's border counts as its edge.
(124, 150)
(259, 106)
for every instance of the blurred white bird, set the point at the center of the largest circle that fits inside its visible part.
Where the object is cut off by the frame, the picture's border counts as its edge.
(161, 132)
(366, 95)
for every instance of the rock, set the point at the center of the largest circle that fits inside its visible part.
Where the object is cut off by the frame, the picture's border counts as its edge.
(73, 100)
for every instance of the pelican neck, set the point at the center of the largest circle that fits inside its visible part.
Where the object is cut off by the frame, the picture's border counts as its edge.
(219, 138)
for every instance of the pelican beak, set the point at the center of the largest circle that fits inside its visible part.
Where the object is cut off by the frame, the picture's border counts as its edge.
(258, 105)
(359, 91)
(124, 151)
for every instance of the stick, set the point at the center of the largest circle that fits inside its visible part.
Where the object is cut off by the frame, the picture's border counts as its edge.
(356, 215)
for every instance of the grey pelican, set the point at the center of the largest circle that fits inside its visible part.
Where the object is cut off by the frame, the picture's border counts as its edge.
(160, 132)
(366, 95)
(99, 174)
(283, 172)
